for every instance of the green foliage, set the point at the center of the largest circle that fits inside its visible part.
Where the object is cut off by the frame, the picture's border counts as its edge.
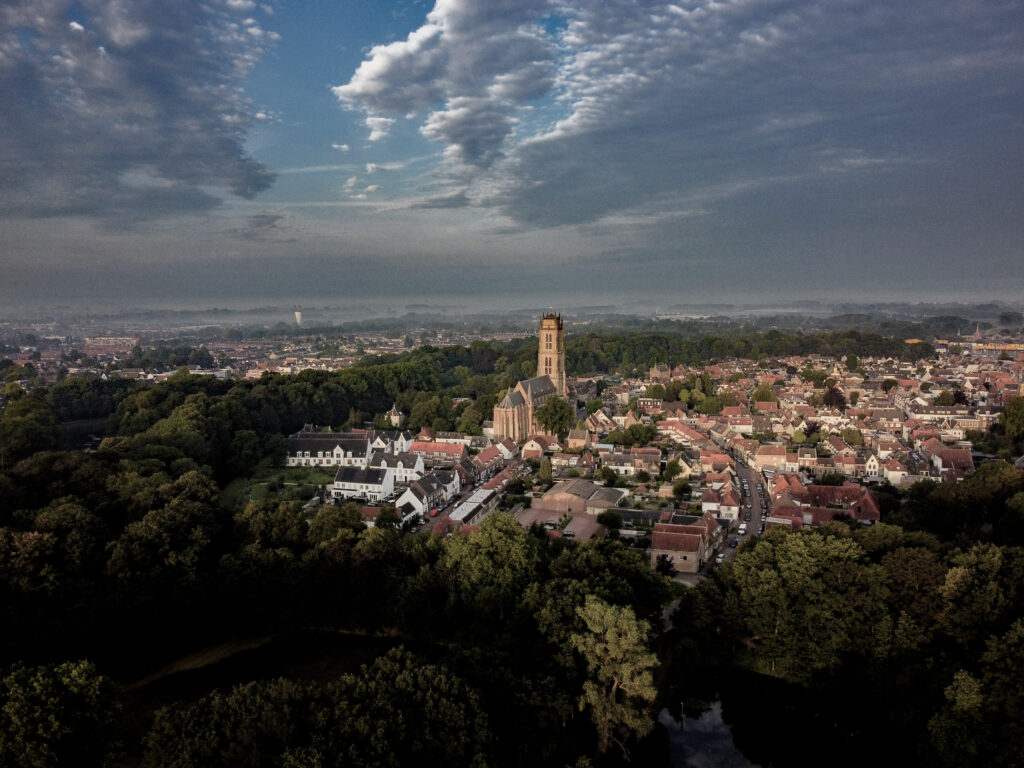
(655, 390)
(810, 599)
(64, 714)
(853, 436)
(395, 712)
(833, 398)
(681, 489)
(544, 472)
(1012, 419)
(672, 470)
(763, 393)
(555, 416)
(636, 434)
(619, 689)
(489, 568)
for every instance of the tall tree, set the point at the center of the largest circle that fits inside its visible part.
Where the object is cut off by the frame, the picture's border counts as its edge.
(489, 568)
(555, 416)
(619, 690)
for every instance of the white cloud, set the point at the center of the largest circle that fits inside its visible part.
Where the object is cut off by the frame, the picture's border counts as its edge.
(129, 92)
(340, 147)
(560, 113)
(379, 127)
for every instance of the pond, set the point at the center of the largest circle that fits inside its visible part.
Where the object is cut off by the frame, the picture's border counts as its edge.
(702, 742)
(734, 718)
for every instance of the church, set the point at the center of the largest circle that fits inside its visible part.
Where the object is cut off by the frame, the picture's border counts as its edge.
(514, 415)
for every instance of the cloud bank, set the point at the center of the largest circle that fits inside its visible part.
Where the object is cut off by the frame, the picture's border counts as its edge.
(557, 113)
(126, 110)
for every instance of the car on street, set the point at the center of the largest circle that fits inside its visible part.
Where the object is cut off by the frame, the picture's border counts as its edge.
(734, 542)
(742, 530)
(746, 516)
(719, 558)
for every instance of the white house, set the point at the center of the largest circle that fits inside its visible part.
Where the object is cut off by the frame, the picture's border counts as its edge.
(405, 466)
(358, 483)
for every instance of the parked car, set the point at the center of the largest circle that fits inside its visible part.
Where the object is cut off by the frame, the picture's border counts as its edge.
(734, 542)
(719, 558)
(742, 530)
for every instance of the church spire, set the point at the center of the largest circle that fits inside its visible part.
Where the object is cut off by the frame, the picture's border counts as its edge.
(551, 351)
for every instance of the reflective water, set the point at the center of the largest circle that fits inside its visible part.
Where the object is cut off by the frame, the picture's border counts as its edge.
(702, 742)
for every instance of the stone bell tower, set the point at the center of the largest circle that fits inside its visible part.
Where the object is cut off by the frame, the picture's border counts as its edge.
(551, 352)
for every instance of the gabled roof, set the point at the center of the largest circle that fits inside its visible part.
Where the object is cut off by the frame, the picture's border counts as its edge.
(538, 386)
(360, 476)
(512, 399)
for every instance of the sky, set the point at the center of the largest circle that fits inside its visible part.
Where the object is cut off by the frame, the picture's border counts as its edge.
(514, 152)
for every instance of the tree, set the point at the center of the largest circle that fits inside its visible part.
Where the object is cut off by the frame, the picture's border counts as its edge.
(251, 725)
(489, 568)
(665, 566)
(57, 715)
(957, 731)
(833, 398)
(610, 519)
(681, 489)
(944, 398)
(399, 712)
(620, 688)
(852, 362)
(889, 384)
(672, 470)
(1012, 419)
(594, 405)
(655, 390)
(555, 416)
(853, 436)
(812, 599)
(544, 473)
(763, 394)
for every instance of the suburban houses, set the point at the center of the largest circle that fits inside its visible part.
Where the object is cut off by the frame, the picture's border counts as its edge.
(810, 433)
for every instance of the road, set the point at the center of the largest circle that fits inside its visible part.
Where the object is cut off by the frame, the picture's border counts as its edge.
(754, 525)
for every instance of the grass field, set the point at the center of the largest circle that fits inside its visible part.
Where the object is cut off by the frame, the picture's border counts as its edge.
(276, 484)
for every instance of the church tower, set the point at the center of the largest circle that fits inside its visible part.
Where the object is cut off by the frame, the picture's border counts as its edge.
(551, 352)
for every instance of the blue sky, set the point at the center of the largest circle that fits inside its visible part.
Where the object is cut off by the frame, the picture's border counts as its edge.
(229, 151)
